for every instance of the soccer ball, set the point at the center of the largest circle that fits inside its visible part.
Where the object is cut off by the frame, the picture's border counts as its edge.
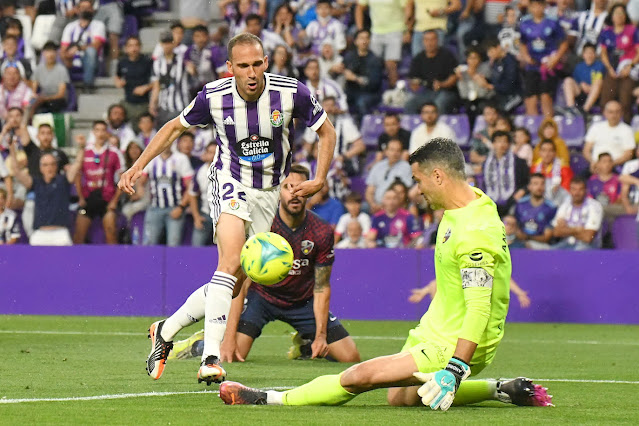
(266, 258)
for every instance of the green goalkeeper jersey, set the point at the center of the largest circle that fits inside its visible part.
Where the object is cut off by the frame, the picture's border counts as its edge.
(472, 269)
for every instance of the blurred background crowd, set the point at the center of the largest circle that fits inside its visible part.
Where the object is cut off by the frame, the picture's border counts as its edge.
(541, 97)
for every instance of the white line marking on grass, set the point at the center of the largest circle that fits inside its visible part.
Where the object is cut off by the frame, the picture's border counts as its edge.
(4, 400)
(73, 333)
(614, 382)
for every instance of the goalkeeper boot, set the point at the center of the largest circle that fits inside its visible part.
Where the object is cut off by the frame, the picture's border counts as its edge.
(188, 348)
(522, 391)
(233, 393)
(211, 371)
(301, 348)
(159, 351)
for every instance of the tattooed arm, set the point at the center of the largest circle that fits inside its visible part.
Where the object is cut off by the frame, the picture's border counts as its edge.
(321, 300)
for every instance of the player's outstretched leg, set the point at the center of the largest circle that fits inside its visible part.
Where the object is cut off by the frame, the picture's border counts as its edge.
(159, 351)
(522, 391)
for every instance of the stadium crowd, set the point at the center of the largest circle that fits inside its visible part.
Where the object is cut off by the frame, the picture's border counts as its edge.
(539, 95)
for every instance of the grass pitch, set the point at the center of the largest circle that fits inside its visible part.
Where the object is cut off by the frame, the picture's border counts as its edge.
(88, 370)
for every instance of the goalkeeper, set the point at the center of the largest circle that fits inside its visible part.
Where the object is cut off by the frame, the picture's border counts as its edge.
(459, 334)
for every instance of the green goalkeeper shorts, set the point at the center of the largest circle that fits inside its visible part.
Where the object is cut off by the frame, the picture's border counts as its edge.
(432, 356)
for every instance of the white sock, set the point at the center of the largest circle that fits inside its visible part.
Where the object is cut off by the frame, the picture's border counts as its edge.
(219, 293)
(190, 312)
(274, 398)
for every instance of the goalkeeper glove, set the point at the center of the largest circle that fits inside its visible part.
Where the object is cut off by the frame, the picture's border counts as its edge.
(438, 390)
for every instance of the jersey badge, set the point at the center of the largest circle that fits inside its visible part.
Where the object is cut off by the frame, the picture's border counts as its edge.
(446, 235)
(307, 246)
(277, 118)
(234, 204)
(189, 107)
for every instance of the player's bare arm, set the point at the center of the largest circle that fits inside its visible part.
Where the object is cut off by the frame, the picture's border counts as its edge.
(321, 302)
(161, 141)
(325, 150)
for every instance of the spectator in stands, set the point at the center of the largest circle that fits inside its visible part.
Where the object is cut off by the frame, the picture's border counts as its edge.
(354, 213)
(589, 24)
(202, 222)
(322, 87)
(118, 125)
(480, 143)
(619, 44)
(509, 35)
(170, 93)
(6, 180)
(147, 130)
(82, 42)
(177, 33)
(14, 128)
(282, 63)
(430, 128)
(429, 15)
(558, 175)
(284, 25)
(504, 76)
(140, 199)
(325, 27)
(169, 175)
(52, 192)
(10, 57)
(629, 179)
(522, 147)
(384, 173)
(494, 12)
(201, 63)
(472, 84)
(237, 12)
(578, 220)
(432, 77)
(543, 45)
(24, 49)
(134, 75)
(363, 73)
(582, 90)
(325, 206)
(387, 31)
(35, 152)
(534, 215)
(9, 226)
(202, 137)
(505, 175)
(331, 63)
(65, 12)
(110, 12)
(604, 185)
(270, 40)
(392, 130)
(548, 130)
(14, 92)
(610, 135)
(512, 229)
(51, 81)
(185, 144)
(96, 187)
(354, 237)
(393, 227)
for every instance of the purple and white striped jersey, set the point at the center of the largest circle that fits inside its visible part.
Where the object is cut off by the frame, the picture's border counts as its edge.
(168, 179)
(255, 138)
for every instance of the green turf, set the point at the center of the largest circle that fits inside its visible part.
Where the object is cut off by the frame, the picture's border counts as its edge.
(36, 365)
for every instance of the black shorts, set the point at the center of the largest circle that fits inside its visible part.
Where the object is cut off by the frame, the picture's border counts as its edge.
(258, 312)
(534, 85)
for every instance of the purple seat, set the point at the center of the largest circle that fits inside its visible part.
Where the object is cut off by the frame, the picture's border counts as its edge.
(480, 124)
(572, 130)
(372, 126)
(358, 184)
(410, 121)
(72, 104)
(460, 125)
(624, 233)
(578, 164)
(129, 28)
(530, 122)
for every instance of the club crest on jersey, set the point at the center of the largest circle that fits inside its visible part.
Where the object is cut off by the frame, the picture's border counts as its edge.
(307, 246)
(277, 118)
(446, 235)
(234, 204)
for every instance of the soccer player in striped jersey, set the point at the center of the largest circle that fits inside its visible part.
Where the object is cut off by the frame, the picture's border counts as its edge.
(252, 113)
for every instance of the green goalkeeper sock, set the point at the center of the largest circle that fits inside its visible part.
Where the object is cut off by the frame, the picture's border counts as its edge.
(473, 391)
(324, 390)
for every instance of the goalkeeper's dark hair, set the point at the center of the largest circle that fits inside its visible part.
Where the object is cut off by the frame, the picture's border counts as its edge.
(300, 170)
(440, 153)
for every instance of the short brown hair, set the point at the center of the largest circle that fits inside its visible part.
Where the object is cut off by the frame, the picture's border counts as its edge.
(300, 170)
(354, 197)
(243, 38)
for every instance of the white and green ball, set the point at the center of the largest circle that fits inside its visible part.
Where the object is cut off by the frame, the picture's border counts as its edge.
(266, 258)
